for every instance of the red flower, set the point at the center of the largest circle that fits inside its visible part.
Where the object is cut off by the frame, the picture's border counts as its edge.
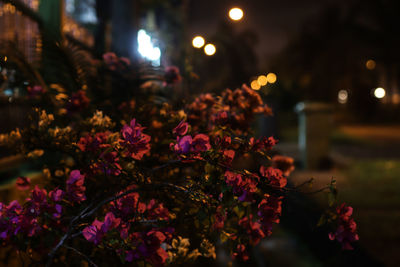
(285, 164)
(136, 143)
(346, 232)
(274, 176)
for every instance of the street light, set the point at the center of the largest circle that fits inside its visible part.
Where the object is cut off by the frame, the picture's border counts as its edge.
(379, 92)
(255, 85)
(198, 42)
(236, 14)
(262, 80)
(210, 49)
(271, 77)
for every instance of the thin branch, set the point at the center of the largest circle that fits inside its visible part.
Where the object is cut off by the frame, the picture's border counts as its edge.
(82, 255)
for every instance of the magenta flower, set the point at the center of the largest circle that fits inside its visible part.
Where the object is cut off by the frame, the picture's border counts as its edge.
(56, 195)
(346, 233)
(75, 188)
(23, 183)
(136, 143)
(181, 129)
(200, 143)
(183, 144)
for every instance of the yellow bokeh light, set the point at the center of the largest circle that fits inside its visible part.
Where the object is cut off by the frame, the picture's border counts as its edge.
(198, 42)
(379, 92)
(5, 59)
(236, 13)
(255, 85)
(262, 80)
(271, 77)
(371, 64)
(210, 49)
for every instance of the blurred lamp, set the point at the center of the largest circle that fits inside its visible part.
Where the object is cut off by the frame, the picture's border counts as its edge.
(343, 95)
(236, 13)
(271, 77)
(210, 49)
(198, 42)
(370, 64)
(379, 92)
(146, 48)
(262, 80)
(255, 85)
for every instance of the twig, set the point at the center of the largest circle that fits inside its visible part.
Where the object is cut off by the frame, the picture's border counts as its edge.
(81, 254)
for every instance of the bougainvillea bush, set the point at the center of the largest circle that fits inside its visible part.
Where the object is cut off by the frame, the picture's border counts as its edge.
(133, 179)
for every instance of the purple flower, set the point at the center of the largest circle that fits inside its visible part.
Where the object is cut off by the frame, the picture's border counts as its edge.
(56, 195)
(75, 188)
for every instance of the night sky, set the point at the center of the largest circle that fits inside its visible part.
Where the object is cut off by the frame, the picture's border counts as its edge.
(275, 22)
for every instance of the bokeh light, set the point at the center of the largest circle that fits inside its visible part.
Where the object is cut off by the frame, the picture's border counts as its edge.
(343, 96)
(271, 77)
(262, 80)
(255, 85)
(370, 64)
(236, 13)
(198, 42)
(210, 49)
(379, 92)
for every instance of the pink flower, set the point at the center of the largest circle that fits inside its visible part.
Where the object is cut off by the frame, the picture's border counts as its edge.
(200, 143)
(346, 233)
(56, 195)
(181, 129)
(75, 188)
(23, 183)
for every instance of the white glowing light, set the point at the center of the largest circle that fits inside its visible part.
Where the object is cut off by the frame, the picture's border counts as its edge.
(343, 96)
(198, 42)
(210, 49)
(236, 14)
(147, 49)
(379, 92)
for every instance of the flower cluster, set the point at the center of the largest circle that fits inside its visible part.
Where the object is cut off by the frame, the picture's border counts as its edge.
(186, 144)
(346, 231)
(124, 214)
(134, 141)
